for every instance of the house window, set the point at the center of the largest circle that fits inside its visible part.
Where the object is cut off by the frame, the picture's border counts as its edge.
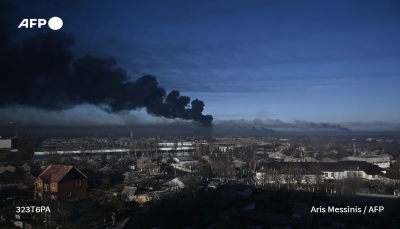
(78, 183)
(39, 184)
(326, 174)
(332, 174)
(348, 174)
(373, 176)
(53, 186)
(69, 193)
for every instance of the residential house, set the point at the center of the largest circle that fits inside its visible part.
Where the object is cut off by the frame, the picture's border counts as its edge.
(149, 168)
(131, 177)
(128, 193)
(146, 197)
(283, 147)
(8, 168)
(187, 164)
(60, 182)
(9, 175)
(183, 182)
(142, 161)
(31, 176)
(277, 155)
(25, 167)
(302, 148)
(238, 163)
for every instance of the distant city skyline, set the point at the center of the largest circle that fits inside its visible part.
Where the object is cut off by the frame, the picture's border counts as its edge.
(333, 62)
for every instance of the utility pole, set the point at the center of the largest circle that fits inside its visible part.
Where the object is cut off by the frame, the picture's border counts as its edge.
(159, 158)
(156, 146)
(343, 183)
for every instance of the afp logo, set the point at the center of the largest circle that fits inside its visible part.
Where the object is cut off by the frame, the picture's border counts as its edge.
(55, 23)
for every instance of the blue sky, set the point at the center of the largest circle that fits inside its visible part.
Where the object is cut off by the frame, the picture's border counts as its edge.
(318, 61)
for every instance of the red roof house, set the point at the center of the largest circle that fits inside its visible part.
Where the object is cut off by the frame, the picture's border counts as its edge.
(60, 182)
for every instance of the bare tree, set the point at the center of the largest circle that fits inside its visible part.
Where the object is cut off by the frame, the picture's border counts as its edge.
(196, 145)
(353, 183)
(206, 170)
(176, 145)
(156, 147)
(136, 147)
(307, 179)
(230, 171)
(297, 173)
(105, 183)
(149, 149)
(287, 173)
(275, 176)
(264, 177)
(217, 166)
(61, 216)
(223, 167)
(393, 175)
(202, 150)
(381, 186)
(182, 146)
(142, 148)
(316, 171)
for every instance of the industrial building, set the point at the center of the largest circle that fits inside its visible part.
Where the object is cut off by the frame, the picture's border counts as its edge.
(8, 143)
(118, 147)
(382, 160)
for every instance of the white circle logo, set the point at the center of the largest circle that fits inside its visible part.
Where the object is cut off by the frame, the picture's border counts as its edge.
(55, 23)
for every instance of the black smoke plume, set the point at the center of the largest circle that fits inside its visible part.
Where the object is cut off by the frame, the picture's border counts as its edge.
(42, 72)
(258, 126)
(321, 126)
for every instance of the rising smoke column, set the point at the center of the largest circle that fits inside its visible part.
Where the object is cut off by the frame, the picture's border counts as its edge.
(42, 72)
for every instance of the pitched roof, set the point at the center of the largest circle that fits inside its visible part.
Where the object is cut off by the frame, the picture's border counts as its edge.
(142, 159)
(148, 166)
(54, 173)
(128, 193)
(327, 159)
(310, 159)
(188, 180)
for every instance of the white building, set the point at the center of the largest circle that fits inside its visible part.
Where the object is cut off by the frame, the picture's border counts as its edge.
(382, 160)
(328, 171)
